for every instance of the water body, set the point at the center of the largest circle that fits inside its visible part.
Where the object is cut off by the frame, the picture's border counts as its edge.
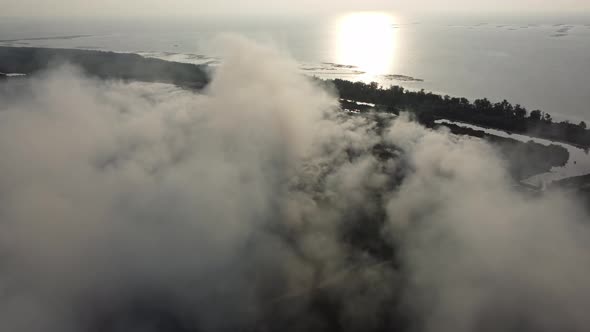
(577, 165)
(538, 62)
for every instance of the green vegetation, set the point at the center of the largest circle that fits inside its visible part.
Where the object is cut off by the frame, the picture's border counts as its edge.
(581, 183)
(579, 186)
(103, 65)
(430, 107)
(525, 159)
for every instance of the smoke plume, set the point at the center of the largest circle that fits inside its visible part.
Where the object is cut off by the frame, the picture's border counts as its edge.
(259, 205)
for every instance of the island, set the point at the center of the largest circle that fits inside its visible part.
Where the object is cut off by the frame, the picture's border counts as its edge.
(357, 98)
(430, 107)
(105, 65)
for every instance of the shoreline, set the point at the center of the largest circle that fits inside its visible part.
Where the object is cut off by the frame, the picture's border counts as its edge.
(131, 66)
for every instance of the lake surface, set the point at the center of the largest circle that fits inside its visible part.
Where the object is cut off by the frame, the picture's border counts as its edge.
(578, 163)
(538, 62)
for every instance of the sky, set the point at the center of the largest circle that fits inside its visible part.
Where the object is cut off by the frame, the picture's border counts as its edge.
(81, 8)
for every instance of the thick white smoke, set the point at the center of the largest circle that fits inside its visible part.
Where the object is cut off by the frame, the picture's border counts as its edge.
(481, 256)
(259, 205)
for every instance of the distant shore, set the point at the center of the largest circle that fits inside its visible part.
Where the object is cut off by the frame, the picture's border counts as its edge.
(128, 66)
(101, 64)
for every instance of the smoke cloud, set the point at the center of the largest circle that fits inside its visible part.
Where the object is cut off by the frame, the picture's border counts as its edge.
(259, 205)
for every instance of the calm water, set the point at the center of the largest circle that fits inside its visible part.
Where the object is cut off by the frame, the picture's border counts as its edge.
(578, 163)
(537, 62)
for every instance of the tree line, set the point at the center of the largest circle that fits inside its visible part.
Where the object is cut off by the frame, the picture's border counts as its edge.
(482, 112)
(105, 65)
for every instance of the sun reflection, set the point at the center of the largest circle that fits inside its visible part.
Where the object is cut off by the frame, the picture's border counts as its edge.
(367, 40)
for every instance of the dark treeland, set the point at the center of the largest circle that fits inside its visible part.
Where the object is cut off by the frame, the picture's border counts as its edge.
(28, 60)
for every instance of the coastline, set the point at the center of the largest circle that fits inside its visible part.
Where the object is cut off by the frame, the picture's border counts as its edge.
(130, 66)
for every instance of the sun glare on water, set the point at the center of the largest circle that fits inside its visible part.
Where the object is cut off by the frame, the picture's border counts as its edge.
(367, 40)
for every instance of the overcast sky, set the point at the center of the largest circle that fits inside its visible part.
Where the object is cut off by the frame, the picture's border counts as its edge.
(239, 7)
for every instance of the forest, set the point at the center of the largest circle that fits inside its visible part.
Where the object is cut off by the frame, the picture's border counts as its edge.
(105, 65)
(430, 107)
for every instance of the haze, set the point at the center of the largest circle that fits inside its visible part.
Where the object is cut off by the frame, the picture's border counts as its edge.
(64, 8)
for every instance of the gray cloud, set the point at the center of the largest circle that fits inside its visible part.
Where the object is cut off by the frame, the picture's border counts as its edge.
(258, 205)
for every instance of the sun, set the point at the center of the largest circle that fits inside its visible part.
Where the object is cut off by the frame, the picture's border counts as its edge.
(367, 40)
